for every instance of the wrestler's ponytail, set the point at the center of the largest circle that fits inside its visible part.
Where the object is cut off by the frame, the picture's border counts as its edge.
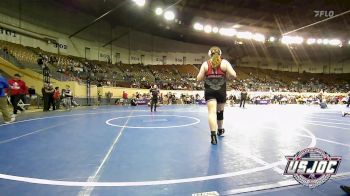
(215, 60)
(215, 55)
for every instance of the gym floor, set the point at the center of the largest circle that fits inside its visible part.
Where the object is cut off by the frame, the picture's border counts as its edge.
(118, 150)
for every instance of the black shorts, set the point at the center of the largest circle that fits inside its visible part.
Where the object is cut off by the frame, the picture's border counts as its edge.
(220, 96)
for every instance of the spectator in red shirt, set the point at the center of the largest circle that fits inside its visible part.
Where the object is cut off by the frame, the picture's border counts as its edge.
(57, 97)
(125, 95)
(125, 98)
(17, 91)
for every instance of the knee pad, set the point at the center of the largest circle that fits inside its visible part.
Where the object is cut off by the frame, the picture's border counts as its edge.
(220, 115)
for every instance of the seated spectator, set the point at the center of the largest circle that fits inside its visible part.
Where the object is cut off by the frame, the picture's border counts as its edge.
(133, 101)
(68, 96)
(31, 92)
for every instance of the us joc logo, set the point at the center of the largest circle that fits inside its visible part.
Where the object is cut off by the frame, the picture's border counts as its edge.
(312, 167)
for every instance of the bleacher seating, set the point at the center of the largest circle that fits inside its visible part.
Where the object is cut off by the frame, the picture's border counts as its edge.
(169, 76)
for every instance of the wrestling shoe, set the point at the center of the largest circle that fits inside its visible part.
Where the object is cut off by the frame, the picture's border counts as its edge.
(221, 132)
(11, 121)
(214, 140)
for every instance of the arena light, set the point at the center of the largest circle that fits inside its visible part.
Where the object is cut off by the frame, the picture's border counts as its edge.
(311, 41)
(325, 41)
(335, 42)
(207, 28)
(169, 15)
(215, 29)
(349, 42)
(272, 39)
(139, 2)
(198, 26)
(292, 40)
(159, 11)
(319, 41)
(259, 37)
(244, 35)
(227, 32)
(236, 26)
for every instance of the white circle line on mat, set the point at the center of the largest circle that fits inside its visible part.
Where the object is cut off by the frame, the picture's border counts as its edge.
(147, 183)
(142, 183)
(108, 122)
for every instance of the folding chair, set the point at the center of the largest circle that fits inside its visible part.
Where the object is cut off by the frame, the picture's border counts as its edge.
(22, 105)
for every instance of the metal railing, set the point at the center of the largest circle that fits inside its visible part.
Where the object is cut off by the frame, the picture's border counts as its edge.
(11, 59)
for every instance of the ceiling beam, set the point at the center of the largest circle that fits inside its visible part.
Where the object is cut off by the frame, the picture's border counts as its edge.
(98, 18)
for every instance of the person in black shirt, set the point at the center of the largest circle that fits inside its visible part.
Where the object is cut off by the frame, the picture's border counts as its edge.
(51, 102)
(31, 91)
(45, 96)
(48, 92)
(244, 95)
(133, 101)
(154, 97)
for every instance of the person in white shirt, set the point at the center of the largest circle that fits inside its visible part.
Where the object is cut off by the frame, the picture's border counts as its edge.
(68, 96)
